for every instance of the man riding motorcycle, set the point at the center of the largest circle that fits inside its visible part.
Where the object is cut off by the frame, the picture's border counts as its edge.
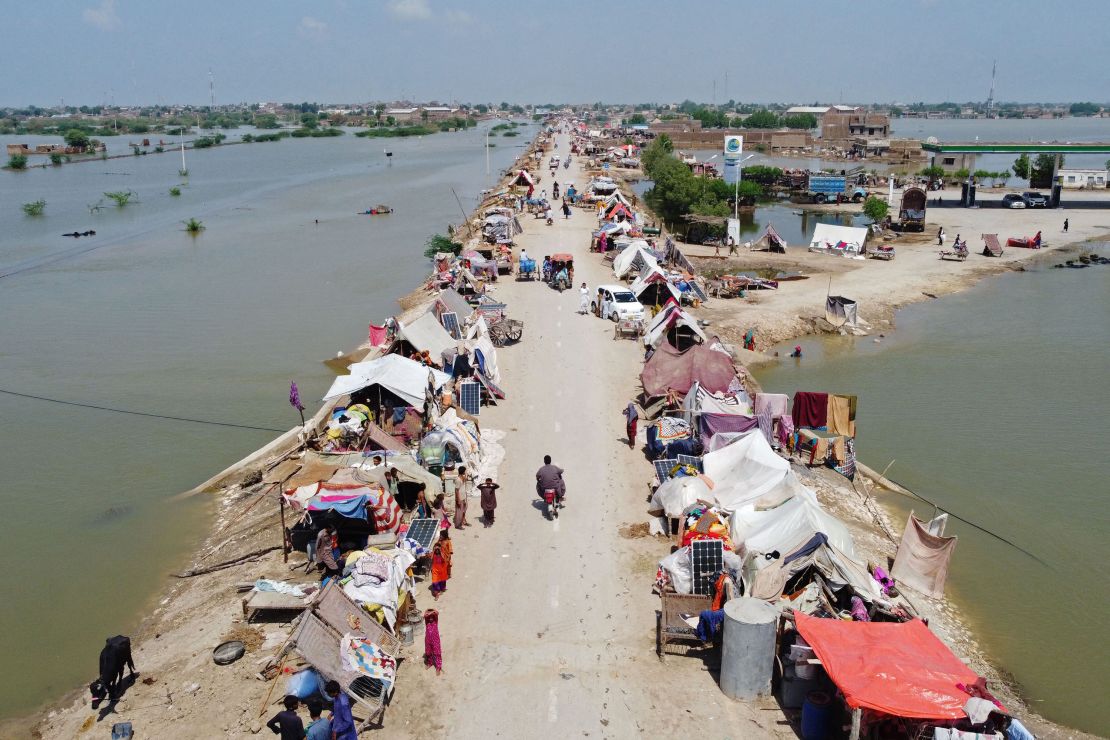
(550, 478)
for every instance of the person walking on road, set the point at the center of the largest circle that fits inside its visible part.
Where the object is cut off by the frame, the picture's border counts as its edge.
(630, 416)
(940, 237)
(583, 299)
(1065, 226)
(566, 210)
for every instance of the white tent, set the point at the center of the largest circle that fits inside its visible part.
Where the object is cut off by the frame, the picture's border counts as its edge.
(652, 274)
(788, 525)
(827, 237)
(674, 495)
(748, 470)
(670, 315)
(397, 374)
(624, 261)
(426, 333)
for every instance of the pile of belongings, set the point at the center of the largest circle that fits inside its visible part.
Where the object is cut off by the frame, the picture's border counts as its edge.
(378, 580)
(500, 226)
(346, 425)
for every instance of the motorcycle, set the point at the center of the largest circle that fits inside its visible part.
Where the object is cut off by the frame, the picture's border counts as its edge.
(552, 503)
(566, 164)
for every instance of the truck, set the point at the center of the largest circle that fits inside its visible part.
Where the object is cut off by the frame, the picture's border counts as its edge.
(821, 188)
(911, 214)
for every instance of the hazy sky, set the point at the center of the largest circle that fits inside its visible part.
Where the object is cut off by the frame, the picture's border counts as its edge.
(150, 51)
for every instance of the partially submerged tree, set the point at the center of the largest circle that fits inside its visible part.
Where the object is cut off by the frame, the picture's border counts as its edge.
(193, 226)
(121, 197)
(438, 243)
(17, 162)
(34, 208)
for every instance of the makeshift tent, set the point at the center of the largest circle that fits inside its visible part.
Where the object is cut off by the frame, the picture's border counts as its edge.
(677, 327)
(426, 333)
(922, 559)
(500, 229)
(766, 579)
(652, 288)
(770, 241)
(675, 494)
(453, 302)
(840, 239)
(747, 470)
(634, 257)
(897, 668)
(766, 525)
(398, 375)
(841, 311)
(670, 369)
(523, 178)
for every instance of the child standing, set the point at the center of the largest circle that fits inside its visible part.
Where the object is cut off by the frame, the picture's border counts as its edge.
(441, 563)
(489, 499)
(433, 652)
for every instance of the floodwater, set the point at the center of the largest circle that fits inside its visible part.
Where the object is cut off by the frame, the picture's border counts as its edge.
(144, 317)
(992, 404)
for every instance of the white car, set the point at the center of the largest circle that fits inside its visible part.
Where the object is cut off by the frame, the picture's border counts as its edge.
(616, 302)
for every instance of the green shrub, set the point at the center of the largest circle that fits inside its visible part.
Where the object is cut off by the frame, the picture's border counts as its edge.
(34, 208)
(175, 191)
(17, 162)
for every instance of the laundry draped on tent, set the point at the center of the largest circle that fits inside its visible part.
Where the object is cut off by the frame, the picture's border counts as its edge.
(922, 559)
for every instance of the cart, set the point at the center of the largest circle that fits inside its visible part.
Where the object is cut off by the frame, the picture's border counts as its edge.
(526, 270)
(505, 331)
(628, 328)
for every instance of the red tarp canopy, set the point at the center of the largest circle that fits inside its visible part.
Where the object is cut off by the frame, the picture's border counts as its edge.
(901, 669)
(670, 369)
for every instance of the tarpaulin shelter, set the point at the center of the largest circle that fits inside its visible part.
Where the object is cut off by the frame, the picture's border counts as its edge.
(500, 229)
(652, 288)
(786, 517)
(398, 375)
(670, 369)
(841, 311)
(523, 178)
(747, 470)
(838, 239)
(426, 333)
(896, 668)
(768, 578)
(450, 301)
(770, 241)
(922, 559)
(617, 210)
(675, 494)
(677, 327)
(636, 256)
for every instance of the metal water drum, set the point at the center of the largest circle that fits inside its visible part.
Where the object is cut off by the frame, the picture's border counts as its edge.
(748, 650)
(815, 716)
(406, 634)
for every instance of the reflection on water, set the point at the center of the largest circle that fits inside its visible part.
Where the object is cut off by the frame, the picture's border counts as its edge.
(151, 319)
(999, 419)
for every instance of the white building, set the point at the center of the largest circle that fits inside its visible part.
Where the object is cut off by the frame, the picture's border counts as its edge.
(1076, 179)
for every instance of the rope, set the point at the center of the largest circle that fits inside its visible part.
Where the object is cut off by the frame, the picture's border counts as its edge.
(139, 413)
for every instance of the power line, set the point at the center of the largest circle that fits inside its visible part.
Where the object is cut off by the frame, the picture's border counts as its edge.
(139, 413)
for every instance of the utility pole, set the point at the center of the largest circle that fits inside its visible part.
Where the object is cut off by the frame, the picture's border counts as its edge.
(211, 90)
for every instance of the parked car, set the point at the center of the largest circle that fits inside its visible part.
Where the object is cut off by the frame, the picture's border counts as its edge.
(1034, 200)
(616, 302)
(1013, 200)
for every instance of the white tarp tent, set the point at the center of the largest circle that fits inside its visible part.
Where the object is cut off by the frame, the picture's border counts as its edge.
(426, 333)
(826, 237)
(652, 274)
(747, 470)
(788, 525)
(675, 494)
(663, 321)
(397, 374)
(623, 262)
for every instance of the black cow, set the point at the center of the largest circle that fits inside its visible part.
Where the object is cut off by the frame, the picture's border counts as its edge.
(113, 658)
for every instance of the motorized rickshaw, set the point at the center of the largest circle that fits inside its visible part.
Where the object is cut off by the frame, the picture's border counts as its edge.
(559, 262)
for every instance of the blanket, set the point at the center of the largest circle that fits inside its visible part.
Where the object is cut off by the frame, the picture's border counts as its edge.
(810, 409)
(672, 428)
(773, 403)
(363, 656)
(922, 559)
(838, 418)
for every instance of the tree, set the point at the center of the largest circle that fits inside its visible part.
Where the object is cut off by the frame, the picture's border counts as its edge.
(636, 119)
(983, 175)
(77, 139)
(35, 208)
(762, 119)
(424, 115)
(309, 120)
(17, 162)
(875, 208)
(1021, 167)
(665, 143)
(961, 174)
(802, 120)
(438, 243)
(1040, 174)
(933, 173)
(762, 175)
(266, 120)
(1083, 109)
(193, 226)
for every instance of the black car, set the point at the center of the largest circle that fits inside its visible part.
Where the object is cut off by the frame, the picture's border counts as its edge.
(1034, 200)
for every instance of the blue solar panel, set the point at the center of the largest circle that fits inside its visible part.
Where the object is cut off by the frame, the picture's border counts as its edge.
(663, 469)
(698, 291)
(470, 397)
(423, 531)
(450, 321)
(691, 460)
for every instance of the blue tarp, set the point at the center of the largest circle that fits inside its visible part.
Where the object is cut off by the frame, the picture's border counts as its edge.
(352, 508)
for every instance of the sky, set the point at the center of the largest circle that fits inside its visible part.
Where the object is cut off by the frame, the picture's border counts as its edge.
(89, 52)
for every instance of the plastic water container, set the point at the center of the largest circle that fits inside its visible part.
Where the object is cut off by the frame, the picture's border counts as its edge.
(815, 716)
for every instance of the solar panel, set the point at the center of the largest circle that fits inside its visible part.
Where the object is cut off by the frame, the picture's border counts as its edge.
(663, 469)
(423, 531)
(691, 460)
(450, 321)
(709, 559)
(470, 397)
(698, 291)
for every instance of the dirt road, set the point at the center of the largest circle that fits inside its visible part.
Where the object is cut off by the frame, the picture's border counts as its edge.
(549, 626)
